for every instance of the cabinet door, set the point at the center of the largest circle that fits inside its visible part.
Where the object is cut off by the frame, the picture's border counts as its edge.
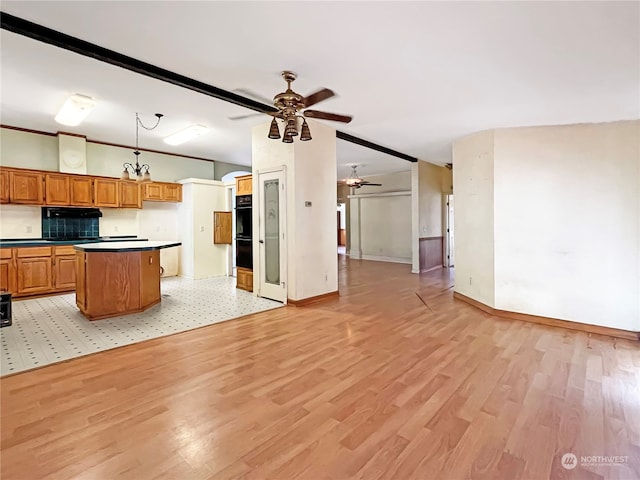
(81, 191)
(152, 191)
(4, 186)
(34, 275)
(149, 277)
(222, 227)
(172, 192)
(130, 195)
(64, 268)
(56, 188)
(81, 294)
(105, 192)
(7, 271)
(243, 185)
(26, 187)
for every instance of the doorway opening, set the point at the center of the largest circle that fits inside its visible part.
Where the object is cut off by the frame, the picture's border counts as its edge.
(449, 260)
(342, 229)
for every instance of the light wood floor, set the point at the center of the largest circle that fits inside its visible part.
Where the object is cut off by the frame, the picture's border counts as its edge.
(375, 384)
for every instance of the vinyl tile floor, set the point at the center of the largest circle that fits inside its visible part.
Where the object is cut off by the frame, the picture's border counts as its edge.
(51, 329)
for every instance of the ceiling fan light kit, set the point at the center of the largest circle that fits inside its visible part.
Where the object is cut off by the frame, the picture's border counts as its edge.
(75, 109)
(354, 181)
(291, 107)
(141, 172)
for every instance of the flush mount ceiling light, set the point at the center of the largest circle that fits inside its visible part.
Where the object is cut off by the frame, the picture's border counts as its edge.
(186, 134)
(141, 172)
(75, 109)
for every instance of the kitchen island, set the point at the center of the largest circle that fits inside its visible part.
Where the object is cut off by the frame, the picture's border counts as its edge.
(118, 278)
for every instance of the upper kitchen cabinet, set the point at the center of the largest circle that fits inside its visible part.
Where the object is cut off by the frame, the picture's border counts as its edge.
(130, 195)
(56, 189)
(4, 186)
(81, 190)
(106, 192)
(162, 192)
(26, 187)
(243, 185)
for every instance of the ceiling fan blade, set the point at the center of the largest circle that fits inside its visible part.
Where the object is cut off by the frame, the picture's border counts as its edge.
(252, 95)
(327, 116)
(242, 117)
(371, 184)
(317, 97)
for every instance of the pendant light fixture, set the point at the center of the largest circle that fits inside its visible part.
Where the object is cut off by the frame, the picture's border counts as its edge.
(141, 172)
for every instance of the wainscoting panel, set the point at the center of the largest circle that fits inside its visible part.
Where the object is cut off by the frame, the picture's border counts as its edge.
(431, 249)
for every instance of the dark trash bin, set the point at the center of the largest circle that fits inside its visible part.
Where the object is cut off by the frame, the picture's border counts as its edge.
(5, 309)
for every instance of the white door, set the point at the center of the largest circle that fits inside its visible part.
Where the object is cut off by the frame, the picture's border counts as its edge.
(271, 236)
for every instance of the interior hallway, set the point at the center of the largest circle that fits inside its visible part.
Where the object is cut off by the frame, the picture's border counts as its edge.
(373, 384)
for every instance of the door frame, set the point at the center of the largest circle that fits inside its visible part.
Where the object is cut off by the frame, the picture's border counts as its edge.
(257, 215)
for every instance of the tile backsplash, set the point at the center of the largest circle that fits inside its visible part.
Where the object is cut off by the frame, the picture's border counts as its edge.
(70, 227)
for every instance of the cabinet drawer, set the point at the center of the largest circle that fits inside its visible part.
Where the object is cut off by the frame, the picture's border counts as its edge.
(26, 252)
(64, 250)
(5, 253)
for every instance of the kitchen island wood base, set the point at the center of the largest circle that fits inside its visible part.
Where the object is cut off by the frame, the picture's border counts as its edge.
(117, 283)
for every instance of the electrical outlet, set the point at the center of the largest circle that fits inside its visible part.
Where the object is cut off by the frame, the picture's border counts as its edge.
(115, 228)
(470, 280)
(326, 277)
(202, 228)
(29, 229)
(157, 228)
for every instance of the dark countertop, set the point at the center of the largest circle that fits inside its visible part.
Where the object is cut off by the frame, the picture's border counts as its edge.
(125, 246)
(41, 242)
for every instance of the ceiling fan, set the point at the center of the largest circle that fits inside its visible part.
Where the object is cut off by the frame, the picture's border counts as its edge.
(354, 181)
(292, 106)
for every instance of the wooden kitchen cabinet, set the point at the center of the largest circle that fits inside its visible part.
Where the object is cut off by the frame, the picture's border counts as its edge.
(243, 185)
(64, 268)
(222, 228)
(5, 186)
(130, 195)
(34, 270)
(162, 192)
(172, 192)
(81, 191)
(105, 192)
(244, 279)
(26, 187)
(57, 189)
(7, 271)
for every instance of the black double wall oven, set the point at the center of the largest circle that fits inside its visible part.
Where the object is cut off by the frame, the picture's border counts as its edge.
(244, 249)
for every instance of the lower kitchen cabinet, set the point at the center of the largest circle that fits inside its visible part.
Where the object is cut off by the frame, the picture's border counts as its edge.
(34, 275)
(28, 271)
(244, 279)
(64, 268)
(7, 271)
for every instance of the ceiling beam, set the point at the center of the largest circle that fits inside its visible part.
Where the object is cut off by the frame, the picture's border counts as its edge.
(52, 37)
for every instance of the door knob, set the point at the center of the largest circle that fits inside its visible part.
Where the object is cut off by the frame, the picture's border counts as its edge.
(261, 241)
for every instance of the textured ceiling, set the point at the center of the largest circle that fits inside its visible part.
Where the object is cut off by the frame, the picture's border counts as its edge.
(415, 75)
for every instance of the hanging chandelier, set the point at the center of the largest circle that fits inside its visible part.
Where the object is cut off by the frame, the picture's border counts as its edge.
(141, 172)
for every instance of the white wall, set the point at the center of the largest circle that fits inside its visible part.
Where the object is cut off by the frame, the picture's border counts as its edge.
(565, 216)
(28, 150)
(381, 220)
(312, 262)
(199, 256)
(567, 222)
(430, 199)
(20, 221)
(473, 184)
(107, 160)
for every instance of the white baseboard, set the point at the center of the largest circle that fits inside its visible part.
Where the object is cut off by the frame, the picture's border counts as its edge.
(377, 258)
